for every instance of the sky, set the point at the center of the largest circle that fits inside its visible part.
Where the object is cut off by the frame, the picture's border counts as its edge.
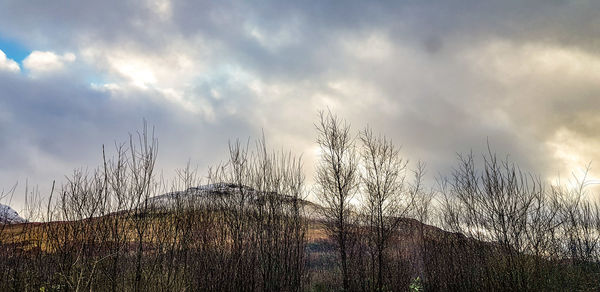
(438, 77)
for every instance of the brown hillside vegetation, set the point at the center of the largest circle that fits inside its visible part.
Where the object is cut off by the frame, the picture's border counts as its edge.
(446, 260)
(38, 243)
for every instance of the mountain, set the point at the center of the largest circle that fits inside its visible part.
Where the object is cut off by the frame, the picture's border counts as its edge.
(218, 193)
(201, 195)
(416, 250)
(9, 216)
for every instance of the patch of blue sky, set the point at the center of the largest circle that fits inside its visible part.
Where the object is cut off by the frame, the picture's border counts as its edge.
(13, 49)
(95, 79)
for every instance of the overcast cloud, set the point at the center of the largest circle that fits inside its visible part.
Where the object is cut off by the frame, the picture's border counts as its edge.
(440, 78)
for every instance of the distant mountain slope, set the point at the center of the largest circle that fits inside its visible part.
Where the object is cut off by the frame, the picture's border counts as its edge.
(9, 216)
(222, 192)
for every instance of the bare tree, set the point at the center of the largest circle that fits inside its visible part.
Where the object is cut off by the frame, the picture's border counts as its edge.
(338, 181)
(386, 199)
(262, 207)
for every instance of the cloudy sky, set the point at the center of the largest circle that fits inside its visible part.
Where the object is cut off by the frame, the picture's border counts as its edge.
(440, 78)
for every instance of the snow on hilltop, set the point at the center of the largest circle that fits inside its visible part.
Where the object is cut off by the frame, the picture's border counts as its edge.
(201, 194)
(206, 195)
(9, 216)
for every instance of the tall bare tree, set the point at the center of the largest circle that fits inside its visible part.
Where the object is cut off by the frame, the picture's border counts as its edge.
(338, 181)
(386, 199)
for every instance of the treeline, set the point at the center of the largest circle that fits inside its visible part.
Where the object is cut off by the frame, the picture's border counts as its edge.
(122, 227)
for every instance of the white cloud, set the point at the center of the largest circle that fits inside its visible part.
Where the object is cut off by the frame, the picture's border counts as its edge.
(376, 46)
(43, 62)
(171, 74)
(173, 67)
(8, 64)
(162, 8)
(272, 39)
(512, 62)
(138, 72)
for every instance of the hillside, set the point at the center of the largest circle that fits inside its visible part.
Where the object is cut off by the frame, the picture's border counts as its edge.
(217, 194)
(9, 216)
(191, 231)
